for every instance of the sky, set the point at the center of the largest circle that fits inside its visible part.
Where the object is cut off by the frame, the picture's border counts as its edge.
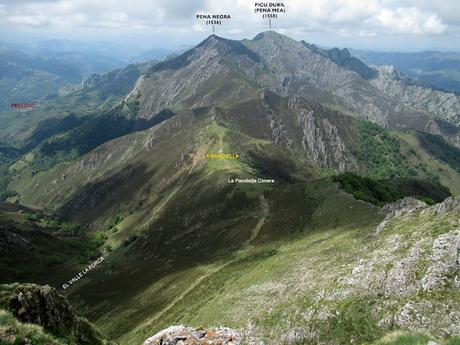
(404, 25)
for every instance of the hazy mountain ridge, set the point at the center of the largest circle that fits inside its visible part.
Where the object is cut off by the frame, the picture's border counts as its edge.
(344, 59)
(439, 69)
(27, 78)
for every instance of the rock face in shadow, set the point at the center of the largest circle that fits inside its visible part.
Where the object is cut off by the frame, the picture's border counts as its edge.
(42, 305)
(181, 335)
(342, 57)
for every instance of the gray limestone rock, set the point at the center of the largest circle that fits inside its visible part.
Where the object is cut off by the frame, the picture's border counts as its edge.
(441, 104)
(176, 335)
(406, 205)
(444, 265)
(450, 204)
(42, 305)
(323, 144)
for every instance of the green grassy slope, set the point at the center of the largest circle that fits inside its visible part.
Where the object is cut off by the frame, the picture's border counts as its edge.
(380, 192)
(57, 248)
(187, 247)
(441, 149)
(14, 332)
(425, 158)
(402, 338)
(171, 261)
(221, 230)
(280, 261)
(272, 289)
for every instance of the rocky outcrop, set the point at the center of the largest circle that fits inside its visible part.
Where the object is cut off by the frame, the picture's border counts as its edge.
(42, 305)
(124, 79)
(11, 241)
(403, 206)
(448, 205)
(405, 266)
(343, 58)
(410, 274)
(279, 130)
(181, 335)
(444, 265)
(406, 204)
(441, 104)
(323, 144)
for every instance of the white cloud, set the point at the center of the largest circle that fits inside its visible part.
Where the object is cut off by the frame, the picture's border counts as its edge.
(28, 20)
(410, 21)
(448, 10)
(361, 19)
(364, 33)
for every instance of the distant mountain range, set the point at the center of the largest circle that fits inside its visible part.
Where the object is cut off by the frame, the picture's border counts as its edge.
(119, 51)
(439, 69)
(34, 73)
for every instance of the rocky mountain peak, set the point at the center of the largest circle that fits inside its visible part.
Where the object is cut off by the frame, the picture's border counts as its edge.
(222, 46)
(270, 34)
(211, 48)
(212, 41)
(271, 38)
(341, 54)
(343, 58)
(392, 72)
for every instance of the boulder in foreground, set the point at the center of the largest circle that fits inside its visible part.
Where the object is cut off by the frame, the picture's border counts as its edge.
(44, 306)
(181, 335)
